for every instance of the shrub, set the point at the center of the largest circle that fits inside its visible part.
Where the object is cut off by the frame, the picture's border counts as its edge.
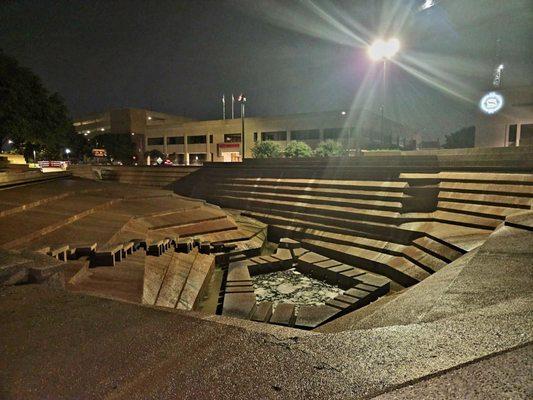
(266, 150)
(329, 148)
(298, 149)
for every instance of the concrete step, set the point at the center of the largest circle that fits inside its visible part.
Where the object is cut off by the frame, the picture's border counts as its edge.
(437, 249)
(415, 255)
(375, 194)
(250, 203)
(46, 218)
(398, 269)
(316, 199)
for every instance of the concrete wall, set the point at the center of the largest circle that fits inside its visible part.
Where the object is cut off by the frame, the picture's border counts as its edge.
(493, 130)
(138, 176)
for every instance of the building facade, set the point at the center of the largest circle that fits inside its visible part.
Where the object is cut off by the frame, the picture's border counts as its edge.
(186, 142)
(194, 142)
(510, 126)
(125, 121)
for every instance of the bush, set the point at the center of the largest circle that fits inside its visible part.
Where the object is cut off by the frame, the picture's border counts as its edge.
(298, 149)
(329, 148)
(266, 150)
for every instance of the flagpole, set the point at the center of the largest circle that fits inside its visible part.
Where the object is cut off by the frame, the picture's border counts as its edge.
(232, 106)
(223, 107)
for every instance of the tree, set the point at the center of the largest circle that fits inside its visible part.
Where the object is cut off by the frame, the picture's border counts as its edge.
(296, 149)
(463, 138)
(30, 116)
(266, 150)
(329, 148)
(118, 147)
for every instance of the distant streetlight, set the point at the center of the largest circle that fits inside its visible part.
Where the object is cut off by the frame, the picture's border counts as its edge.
(67, 151)
(242, 100)
(382, 51)
(10, 141)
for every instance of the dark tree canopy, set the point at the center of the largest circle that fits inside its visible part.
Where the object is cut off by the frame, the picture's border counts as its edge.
(30, 116)
(463, 138)
(118, 147)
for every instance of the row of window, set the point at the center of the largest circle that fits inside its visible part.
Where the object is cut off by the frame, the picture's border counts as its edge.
(310, 134)
(280, 136)
(196, 139)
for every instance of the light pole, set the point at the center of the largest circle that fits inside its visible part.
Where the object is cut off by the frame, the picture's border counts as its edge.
(242, 100)
(383, 51)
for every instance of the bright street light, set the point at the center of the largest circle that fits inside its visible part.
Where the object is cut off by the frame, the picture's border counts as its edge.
(382, 50)
(67, 151)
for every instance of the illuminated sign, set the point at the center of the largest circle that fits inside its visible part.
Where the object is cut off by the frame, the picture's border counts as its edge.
(99, 153)
(491, 103)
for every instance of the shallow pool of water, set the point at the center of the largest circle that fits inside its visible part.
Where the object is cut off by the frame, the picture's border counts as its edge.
(291, 286)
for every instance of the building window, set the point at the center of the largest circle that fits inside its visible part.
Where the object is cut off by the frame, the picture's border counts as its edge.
(255, 136)
(311, 134)
(335, 134)
(278, 136)
(526, 134)
(156, 141)
(232, 138)
(512, 135)
(210, 138)
(175, 140)
(196, 139)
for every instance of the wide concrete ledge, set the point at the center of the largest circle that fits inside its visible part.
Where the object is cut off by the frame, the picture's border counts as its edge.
(483, 379)
(122, 350)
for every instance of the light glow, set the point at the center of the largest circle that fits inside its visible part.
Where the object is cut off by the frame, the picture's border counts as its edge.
(491, 103)
(383, 50)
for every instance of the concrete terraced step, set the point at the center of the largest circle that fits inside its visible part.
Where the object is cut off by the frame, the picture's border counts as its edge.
(437, 249)
(375, 193)
(123, 282)
(46, 218)
(348, 184)
(412, 253)
(177, 280)
(487, 199)
(250, 203)
(174, 279)
(490, 177)
(314, 199)
(467, 220)
(485, 211)
(9, 178)
(180, 218)
(155, 269)
(198, 228)
(331, 224)
(86, 229)
(157, 206)
(398, 269)
(453, 218)
(462, 238)
(488, 188)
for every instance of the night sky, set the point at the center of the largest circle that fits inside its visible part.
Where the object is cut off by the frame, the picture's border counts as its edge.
(287, 56)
